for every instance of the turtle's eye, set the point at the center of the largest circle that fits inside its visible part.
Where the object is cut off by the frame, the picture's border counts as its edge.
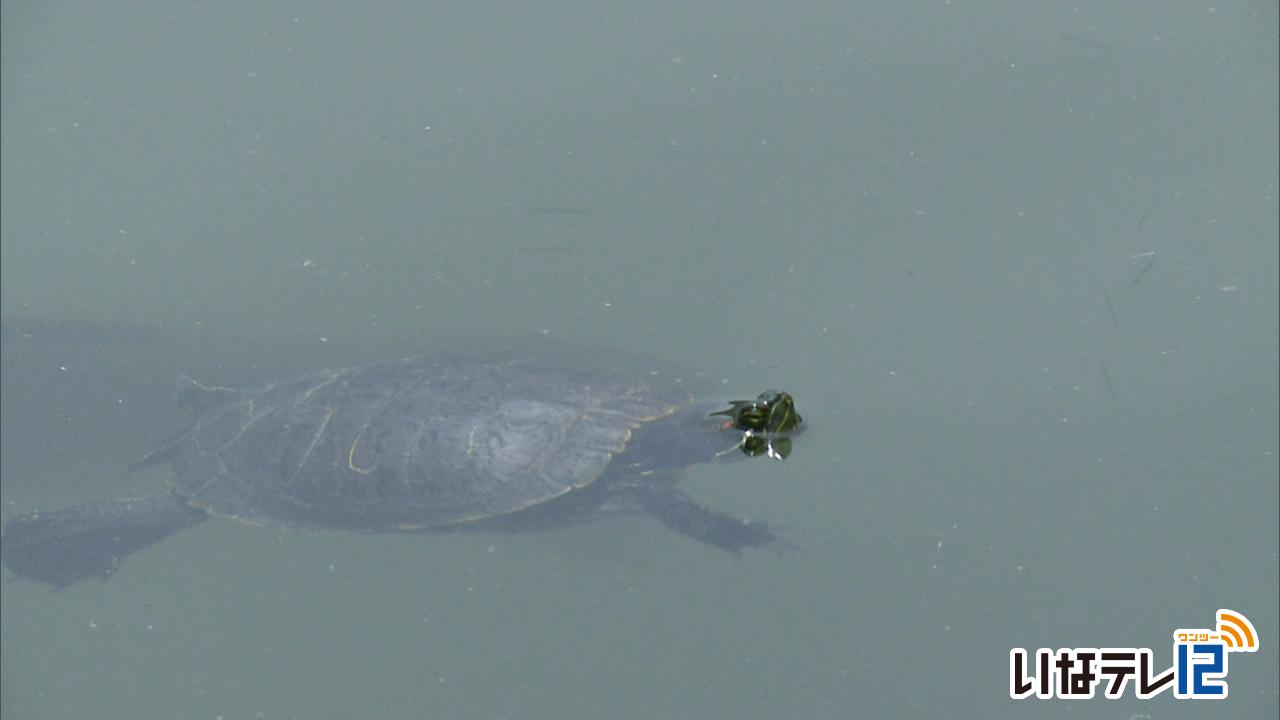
(752, 416)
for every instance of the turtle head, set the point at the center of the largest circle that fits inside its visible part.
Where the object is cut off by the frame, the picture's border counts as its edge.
(765, 424)
(773, 411)
(762, 427)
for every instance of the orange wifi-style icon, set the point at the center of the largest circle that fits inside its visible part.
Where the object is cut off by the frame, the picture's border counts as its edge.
(1236, 631)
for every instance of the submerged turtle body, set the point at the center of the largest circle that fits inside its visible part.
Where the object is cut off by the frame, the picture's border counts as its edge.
(420, 445)
(410, 445)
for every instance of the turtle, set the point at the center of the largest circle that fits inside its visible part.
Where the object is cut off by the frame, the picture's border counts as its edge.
(421, 445)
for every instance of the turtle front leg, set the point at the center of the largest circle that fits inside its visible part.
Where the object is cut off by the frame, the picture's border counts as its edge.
(679, 512)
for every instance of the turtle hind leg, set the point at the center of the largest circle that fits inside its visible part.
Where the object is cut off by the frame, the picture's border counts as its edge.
(61, 547)
(679, 512)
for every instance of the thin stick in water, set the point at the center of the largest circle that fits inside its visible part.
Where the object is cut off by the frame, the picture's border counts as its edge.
(1111, 309)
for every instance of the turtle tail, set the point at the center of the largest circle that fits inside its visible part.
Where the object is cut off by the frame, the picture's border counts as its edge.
(61, 547)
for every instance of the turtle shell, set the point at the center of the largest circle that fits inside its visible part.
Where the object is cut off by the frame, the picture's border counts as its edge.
(411, 444)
